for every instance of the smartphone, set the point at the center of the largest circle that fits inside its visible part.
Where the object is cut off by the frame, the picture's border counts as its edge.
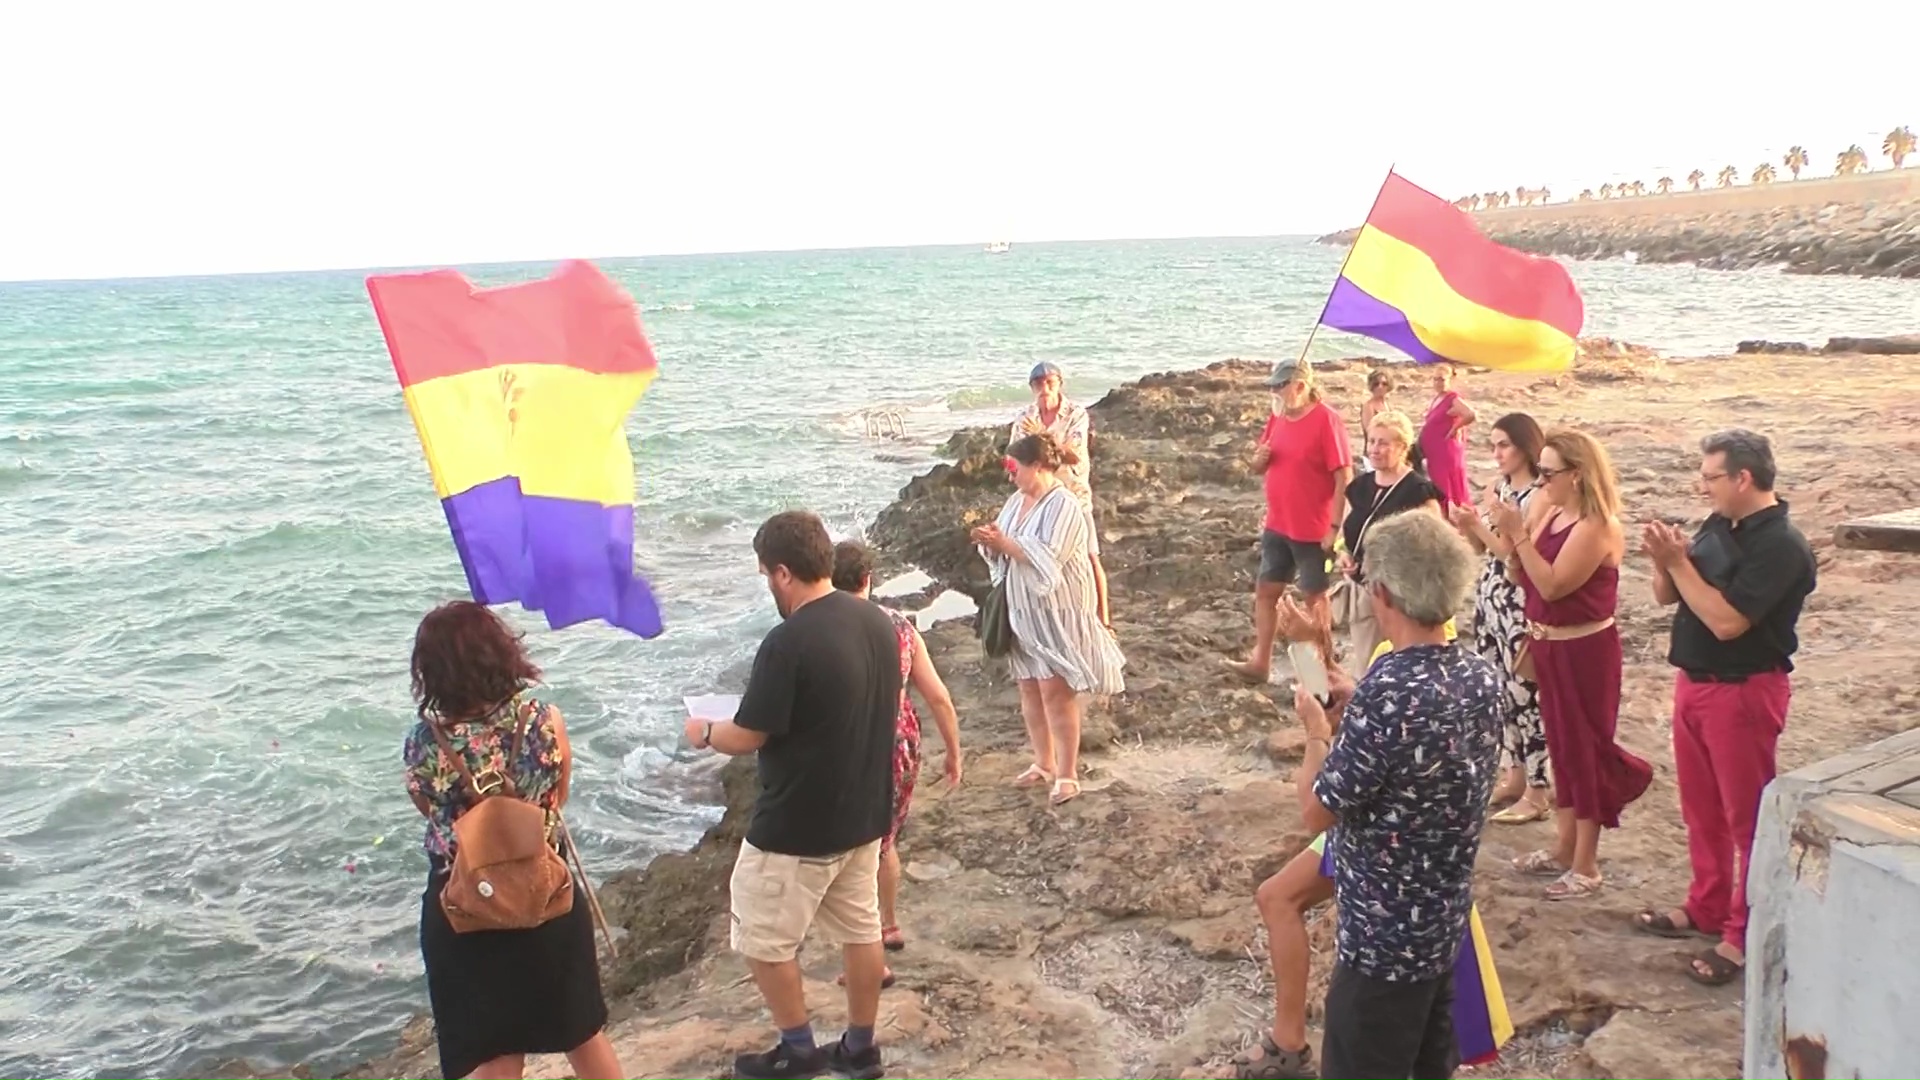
(1310, 671)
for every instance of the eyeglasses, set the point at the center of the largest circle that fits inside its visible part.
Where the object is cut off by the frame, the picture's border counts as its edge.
(1708, 478)
(1547, 474)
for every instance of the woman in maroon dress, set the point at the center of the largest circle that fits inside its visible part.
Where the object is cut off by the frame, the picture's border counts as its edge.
(1567, 560)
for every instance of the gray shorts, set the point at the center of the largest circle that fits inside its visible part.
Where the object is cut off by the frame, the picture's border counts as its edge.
(1282, 560)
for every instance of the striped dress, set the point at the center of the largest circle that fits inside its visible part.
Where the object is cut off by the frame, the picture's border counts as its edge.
(1051, 598)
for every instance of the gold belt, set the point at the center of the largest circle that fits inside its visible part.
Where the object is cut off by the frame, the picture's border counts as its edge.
(1543, 632)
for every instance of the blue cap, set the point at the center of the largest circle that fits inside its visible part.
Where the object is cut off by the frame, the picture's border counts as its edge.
(1043, 369)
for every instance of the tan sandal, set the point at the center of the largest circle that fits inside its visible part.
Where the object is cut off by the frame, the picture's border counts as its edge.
(1539, 864)
(1524, 811)
(1064, 791)
(1033, 777)
(1572, 886)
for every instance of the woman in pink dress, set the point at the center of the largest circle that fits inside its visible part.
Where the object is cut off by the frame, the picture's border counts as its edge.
(1567, 559)
(1443, 439)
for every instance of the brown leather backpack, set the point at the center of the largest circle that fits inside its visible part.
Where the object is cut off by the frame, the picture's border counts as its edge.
(506, 874)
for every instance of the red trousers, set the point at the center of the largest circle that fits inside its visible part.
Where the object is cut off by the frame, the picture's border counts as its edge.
(1724, 737)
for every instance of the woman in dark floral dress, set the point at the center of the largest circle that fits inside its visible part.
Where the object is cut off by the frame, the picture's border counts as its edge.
(497, 995)
(853, 572)
(1500, 620)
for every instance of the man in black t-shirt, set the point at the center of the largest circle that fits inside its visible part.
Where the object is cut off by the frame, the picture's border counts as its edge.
(1740, 583)
(820, 709)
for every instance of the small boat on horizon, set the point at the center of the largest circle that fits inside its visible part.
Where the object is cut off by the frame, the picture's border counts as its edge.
(999, 247)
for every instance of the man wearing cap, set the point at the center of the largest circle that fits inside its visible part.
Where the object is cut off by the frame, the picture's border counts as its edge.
(1739, 583)
(1072, 427)
(1305, 458)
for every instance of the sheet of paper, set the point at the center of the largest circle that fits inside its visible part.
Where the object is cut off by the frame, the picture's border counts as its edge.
(712, 706)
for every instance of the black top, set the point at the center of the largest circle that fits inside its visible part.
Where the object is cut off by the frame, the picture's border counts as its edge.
(825, 690)
(1368, 502)
(1765, 569)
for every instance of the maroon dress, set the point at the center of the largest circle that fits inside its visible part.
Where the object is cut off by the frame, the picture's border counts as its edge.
(1580, 695)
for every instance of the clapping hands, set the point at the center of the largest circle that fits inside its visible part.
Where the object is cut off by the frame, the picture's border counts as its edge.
(1665, 544)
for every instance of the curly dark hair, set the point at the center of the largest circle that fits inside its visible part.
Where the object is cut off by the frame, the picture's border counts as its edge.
(466, 661)
(797, 540)
(852, 565)
(1041, 450)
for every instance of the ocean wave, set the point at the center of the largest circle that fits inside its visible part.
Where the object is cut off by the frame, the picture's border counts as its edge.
(982, 397)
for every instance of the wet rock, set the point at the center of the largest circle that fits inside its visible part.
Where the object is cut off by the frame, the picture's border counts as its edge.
(1906, 345)
(1777, 348)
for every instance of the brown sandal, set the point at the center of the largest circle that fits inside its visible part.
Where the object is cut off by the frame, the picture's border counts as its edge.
(1275, 1063)
(1719, 971)
(1660, 924)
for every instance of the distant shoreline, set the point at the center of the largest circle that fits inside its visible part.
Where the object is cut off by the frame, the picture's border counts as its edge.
(1866, 225)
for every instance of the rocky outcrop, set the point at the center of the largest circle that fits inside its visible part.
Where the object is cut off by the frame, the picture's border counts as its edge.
(1904, 345)
(1116, 936)
(1867, 229)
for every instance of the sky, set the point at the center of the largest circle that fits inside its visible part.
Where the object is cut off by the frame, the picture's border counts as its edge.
(198, 137)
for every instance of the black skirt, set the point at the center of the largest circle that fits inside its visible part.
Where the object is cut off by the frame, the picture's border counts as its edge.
(498, 992)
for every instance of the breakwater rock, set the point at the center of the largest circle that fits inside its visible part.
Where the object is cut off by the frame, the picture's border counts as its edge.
(1863, 226)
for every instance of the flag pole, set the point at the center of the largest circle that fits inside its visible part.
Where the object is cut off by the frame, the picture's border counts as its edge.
(1315, 329)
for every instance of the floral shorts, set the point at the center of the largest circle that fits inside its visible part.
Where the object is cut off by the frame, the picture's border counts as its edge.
(906, 772)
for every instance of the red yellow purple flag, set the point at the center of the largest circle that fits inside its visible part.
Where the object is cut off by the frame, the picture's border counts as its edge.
(520, 395)
(1421, 278)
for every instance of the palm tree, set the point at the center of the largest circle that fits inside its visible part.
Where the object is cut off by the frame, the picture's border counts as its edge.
(1851, 160)
(1727, 176)
(1694, 178)
(1638, 187)
(1586, 195)
(1899, 143)
(1664, 185)
(1544, 194)
(1606, 191)
(1763, 173)
(1795, 160)
(1505, 199)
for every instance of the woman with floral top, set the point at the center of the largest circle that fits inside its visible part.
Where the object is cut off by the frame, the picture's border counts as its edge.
(497, 995)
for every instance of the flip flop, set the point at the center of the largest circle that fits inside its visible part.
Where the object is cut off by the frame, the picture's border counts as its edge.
(1033, 777)
(1064, 791)
(1524, 811)
(886, 981)
(1720, 970)
(892, 939)
(1661, 925)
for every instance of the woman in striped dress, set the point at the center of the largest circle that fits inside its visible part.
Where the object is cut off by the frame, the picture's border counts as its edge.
(1038, 546)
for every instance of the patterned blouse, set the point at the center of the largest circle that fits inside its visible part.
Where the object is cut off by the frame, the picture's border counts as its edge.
(485, 743)
(1409, 778)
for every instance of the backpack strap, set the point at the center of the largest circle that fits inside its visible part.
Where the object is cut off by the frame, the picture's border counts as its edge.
(459, 761)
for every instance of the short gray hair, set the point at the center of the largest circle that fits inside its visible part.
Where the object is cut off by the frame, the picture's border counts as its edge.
(1745, 451)
(1422, 564)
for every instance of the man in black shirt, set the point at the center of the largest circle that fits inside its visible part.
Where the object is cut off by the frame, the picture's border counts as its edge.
(820, 709)
(1740, 584)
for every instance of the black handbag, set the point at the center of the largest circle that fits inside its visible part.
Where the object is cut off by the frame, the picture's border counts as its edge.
(995, 625)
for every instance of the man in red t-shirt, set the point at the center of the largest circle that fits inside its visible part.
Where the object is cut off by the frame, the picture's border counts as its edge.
(1304, 455)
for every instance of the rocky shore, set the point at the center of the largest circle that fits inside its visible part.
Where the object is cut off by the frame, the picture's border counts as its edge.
(1116, 936)
(1866, 226)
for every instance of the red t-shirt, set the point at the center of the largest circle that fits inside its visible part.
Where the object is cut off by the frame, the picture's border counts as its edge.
(1300, 478)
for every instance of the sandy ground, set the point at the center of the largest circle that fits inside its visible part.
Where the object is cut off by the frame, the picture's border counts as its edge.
(1117, 936)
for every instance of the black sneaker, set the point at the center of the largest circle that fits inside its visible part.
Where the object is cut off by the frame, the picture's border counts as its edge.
(859, 1064)
(780, 1063)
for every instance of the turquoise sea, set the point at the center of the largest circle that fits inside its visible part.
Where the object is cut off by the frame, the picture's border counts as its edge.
(219, 534)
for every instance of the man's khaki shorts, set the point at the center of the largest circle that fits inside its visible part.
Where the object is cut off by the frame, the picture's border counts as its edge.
(777, 898)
